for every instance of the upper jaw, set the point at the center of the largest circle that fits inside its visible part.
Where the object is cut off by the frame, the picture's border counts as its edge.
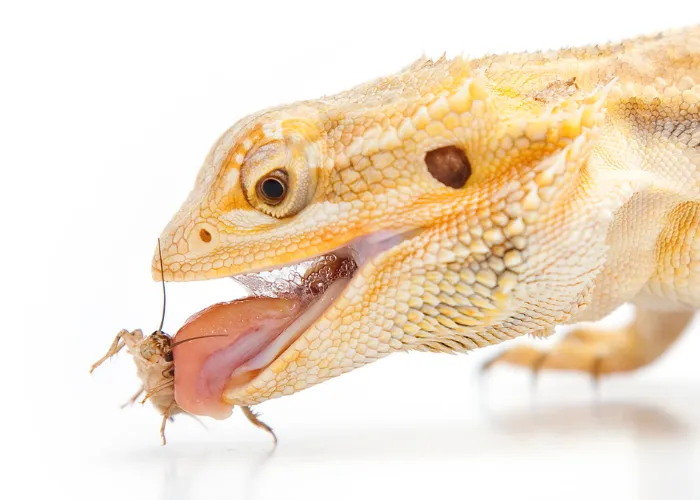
(359, 251)
(170, 265)
(311, 277)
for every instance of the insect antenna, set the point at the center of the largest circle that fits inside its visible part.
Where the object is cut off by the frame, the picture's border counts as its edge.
(195, 338)
(162, 280)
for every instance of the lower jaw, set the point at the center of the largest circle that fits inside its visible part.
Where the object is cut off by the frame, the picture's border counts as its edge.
(237, 341)
(311, 286)
(248, 371)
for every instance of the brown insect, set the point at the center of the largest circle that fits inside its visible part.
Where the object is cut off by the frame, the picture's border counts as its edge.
(155, 366)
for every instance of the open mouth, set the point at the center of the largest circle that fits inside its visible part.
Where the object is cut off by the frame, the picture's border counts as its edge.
(233, 342)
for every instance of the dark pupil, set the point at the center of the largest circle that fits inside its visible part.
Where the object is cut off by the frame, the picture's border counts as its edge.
(273, 189)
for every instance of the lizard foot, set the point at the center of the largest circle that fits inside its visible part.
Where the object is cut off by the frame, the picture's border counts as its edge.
(600, 352)
(586, 350)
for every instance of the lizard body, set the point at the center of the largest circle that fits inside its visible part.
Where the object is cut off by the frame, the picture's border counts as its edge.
(582, 193)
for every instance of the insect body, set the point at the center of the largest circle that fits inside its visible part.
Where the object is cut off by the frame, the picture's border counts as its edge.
(155, 364)
(154, 361)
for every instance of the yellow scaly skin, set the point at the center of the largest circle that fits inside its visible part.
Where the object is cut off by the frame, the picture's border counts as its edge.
(584, 195)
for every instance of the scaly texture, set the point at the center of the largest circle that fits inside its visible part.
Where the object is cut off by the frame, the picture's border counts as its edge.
(583, 195)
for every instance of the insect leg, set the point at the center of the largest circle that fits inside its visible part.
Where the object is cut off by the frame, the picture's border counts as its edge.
(250, 415)
(133, 398)
(166, 415)
(117, 345)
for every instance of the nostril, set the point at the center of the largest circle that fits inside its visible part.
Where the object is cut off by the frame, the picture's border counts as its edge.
(202, 239)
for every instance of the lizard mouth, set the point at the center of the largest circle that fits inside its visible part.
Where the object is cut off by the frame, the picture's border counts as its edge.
(240, 339)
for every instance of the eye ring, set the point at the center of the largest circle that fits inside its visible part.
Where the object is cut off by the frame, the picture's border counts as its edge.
(272, 188)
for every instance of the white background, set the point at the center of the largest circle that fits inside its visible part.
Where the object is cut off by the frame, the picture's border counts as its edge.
(107, 110)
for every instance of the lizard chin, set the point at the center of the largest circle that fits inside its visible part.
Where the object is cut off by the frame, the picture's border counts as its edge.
(237, 341)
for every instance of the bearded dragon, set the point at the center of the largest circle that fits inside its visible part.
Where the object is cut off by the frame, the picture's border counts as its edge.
(477, 201)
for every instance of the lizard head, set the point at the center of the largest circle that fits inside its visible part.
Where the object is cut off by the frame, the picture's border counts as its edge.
(438, 265)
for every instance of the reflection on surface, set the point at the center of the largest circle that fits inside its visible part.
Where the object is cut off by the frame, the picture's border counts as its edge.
(664, 455)
(636, 446)
(183, 468)
(646, 420)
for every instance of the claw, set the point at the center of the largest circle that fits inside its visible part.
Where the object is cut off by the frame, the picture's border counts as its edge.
(536, 368)
(486, 366)
(522, 355)
(596, 374)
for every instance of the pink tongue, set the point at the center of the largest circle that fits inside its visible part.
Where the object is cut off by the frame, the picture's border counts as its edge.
(204, 366)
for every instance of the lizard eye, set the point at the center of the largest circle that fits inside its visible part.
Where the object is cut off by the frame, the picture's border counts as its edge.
(276, 179)
(272, 188)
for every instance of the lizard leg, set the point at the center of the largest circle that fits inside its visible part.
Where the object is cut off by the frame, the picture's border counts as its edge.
(600, 352)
